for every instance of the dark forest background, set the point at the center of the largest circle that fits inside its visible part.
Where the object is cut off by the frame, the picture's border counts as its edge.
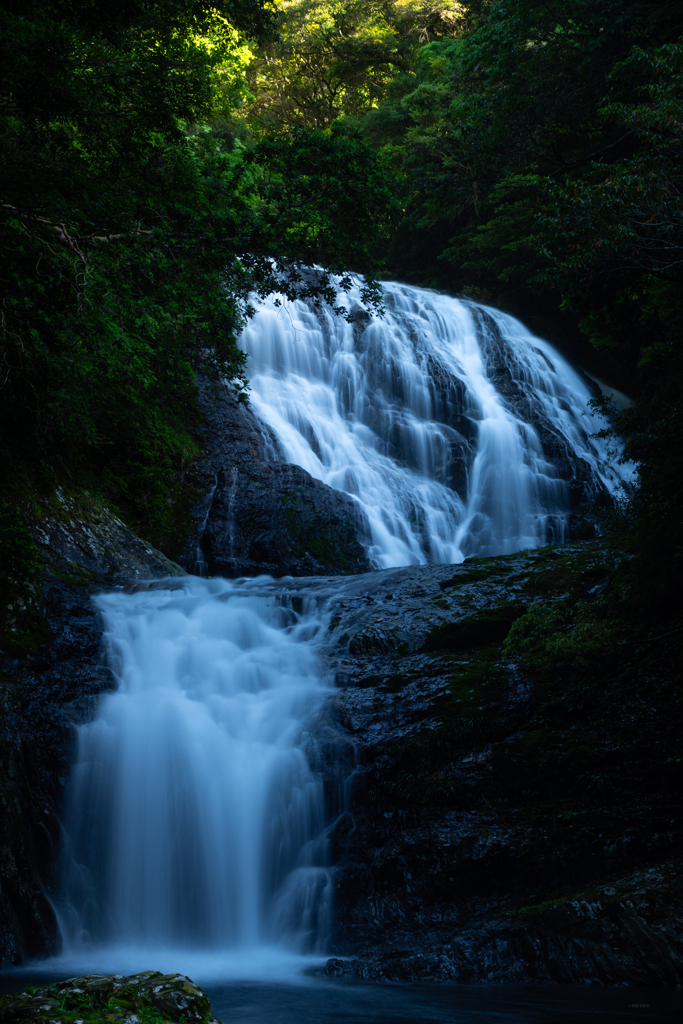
(162, 161)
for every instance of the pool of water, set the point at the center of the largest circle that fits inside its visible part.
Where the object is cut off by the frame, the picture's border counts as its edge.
(449, 1004)
(319, 1002)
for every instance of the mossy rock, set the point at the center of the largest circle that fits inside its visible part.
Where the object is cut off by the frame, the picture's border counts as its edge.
(146, 998)
(490, 626)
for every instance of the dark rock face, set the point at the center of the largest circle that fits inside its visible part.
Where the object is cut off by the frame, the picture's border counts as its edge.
(449, 397)
(489, 837)
(582, 487)
(264, 515)
(608, 939)
(45, 692)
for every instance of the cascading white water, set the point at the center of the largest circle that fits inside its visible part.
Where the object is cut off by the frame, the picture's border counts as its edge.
(387, 409)
(194, 819)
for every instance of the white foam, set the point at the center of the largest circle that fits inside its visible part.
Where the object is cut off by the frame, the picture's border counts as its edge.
(266, 963)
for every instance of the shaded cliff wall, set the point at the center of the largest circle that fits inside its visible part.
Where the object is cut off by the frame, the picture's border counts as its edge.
(261, 514)
(512, 818)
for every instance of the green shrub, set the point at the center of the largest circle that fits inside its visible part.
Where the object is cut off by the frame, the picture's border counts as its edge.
(560, 641)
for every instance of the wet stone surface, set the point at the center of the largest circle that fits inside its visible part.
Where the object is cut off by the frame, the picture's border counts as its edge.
(495, 827)
(487, 823)
(262, 514)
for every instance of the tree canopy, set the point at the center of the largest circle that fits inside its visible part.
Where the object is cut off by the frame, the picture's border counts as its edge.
(338, 58)
(134, 227)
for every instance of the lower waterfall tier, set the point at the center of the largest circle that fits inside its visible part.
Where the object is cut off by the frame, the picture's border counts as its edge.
(193, 816)
(466, 785)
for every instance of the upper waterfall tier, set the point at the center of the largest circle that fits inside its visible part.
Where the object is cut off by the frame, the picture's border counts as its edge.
(454, 429)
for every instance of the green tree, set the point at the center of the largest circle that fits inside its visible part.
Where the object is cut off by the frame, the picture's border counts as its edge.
(134, 229)
(335, 58)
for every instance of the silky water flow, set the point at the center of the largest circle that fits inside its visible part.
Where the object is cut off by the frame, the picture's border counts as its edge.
(429, 418)
(195, 820)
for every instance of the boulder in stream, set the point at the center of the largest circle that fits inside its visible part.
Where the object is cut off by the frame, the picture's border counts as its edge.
(111, 999)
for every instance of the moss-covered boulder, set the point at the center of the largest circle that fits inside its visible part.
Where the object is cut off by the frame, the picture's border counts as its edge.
(489, 626)
(146, 998)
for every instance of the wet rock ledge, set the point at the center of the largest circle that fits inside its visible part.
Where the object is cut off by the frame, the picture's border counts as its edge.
(111, 999)
(514, 751)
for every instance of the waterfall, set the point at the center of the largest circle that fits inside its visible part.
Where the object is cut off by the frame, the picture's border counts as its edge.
(194, 819)
(440, 419)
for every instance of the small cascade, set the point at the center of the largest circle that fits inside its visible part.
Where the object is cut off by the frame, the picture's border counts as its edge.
(456, 431)
(193, 818)
(231, 511)
(200, 565)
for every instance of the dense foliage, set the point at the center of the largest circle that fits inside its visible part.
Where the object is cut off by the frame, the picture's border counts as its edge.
(336, 58)
(134, 229)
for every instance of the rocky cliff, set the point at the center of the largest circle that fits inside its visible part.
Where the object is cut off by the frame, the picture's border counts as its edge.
(502, 758)
(261, 514)
(514, 816)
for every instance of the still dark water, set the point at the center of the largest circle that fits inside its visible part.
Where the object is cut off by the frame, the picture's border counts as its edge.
(348, 1003)
(448, 1004)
